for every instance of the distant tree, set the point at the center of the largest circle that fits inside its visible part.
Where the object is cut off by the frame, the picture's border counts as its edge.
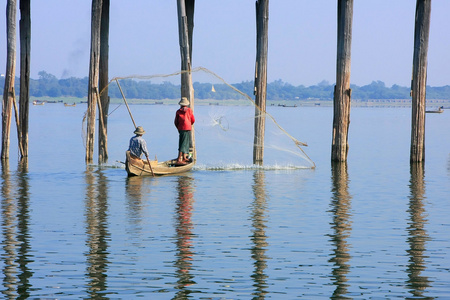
(246, 87)
(49, 85)
(442, 92)
(324, 83)
(47, 77)
(54, 91)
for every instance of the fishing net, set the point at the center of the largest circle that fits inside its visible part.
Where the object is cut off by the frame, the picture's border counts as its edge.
(224, 127)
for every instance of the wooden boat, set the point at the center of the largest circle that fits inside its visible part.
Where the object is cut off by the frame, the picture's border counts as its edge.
(35, 102)
(67, 104)
(138, 167)
(438, 111)
(285, 105)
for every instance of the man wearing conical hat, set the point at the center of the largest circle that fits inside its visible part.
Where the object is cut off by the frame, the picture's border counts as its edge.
(138, 144)
(184, 119)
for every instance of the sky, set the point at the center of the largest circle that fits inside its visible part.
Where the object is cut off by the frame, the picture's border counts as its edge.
(302, 40)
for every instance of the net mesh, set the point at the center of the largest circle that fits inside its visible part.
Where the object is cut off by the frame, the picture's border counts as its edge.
(224, 127)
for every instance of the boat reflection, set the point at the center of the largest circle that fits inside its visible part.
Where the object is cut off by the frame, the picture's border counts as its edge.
(341, 225)
(135, 188)
(184, 232)
(417, 235)
(15, 230)
(96, 232)
(258, 237)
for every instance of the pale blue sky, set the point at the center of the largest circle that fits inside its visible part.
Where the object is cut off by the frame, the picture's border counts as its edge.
(302, 39)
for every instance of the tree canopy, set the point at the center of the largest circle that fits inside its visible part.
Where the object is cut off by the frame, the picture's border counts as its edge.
(48, 85)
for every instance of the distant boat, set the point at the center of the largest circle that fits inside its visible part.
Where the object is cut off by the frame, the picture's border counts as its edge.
(438, 111)
(66, 104)
(35, 102)
(285, 105)
(213, 89)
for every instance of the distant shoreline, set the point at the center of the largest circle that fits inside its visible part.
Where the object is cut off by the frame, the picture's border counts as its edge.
(432, 103)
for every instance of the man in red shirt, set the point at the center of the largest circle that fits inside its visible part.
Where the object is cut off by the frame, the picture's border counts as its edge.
(184, 119)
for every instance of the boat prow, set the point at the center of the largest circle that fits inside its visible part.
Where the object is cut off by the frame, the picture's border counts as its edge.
(138, 167)
(438, 111)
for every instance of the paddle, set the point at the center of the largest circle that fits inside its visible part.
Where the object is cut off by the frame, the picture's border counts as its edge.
(151, 169)
(134, 123)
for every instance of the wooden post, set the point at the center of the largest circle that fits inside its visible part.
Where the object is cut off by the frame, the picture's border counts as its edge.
(185, 48)
(190, 7)
(262, 26)
(25, 50)
(8, 91)
(19, 136)
(342, 91)
(419, 80)
(103, 84)
(185, 32)
(93, 77)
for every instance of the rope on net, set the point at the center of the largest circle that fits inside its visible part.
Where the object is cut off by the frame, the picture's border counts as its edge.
(298, 143)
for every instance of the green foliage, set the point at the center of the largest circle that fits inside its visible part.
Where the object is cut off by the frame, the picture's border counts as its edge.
(49, 86)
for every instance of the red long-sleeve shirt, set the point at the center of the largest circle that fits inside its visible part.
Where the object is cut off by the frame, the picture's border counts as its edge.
(184, 118)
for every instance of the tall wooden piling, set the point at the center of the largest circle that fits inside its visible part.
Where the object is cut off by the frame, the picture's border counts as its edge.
(25, 52)
(8, 91)
(342, 91)
(190, 8)
(185, 51)
(262, 38)
(103, 84)
(93, 77)
(185, 32)
(419, 80)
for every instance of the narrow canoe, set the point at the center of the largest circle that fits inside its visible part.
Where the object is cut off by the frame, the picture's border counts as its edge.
(438, 111)
(139, 167)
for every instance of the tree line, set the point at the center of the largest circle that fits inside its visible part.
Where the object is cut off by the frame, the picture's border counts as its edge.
(49, 86)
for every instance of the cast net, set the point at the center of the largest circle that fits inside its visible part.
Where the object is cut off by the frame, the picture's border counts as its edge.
(224, 127)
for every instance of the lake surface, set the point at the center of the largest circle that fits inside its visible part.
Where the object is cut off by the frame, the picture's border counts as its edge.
(374, 228)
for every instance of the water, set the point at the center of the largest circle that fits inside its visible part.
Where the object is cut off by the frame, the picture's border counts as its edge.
(373, 228)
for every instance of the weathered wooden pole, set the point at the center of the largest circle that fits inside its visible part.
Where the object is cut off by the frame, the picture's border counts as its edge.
(262, 38)
(190, 7)
(185, 32)
(25, 52)
(342, 91)
(103, 84)
(19, 137)
(8, 91)
(419, 80)
(93, 77)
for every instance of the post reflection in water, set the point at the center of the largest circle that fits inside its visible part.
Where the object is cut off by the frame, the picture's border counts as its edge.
(184, 232)
(341, 225)
(258, 250)
(417, 235)
(97, 233)
(15, 230)
(135, 187)
(448, 165)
